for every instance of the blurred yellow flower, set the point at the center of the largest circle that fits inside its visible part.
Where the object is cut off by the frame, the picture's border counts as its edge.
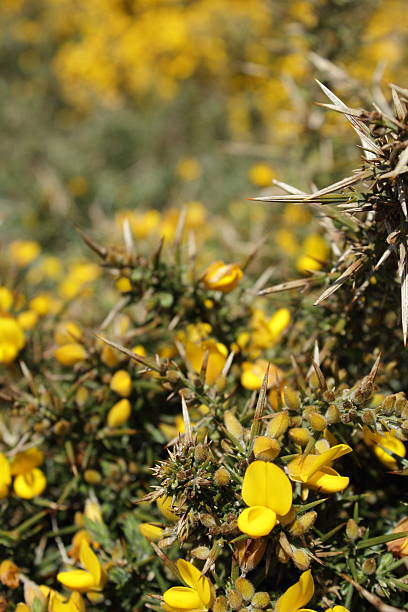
(315, 252)
(6, 299)
(121, 383)
(253, 374)
(9, 574)
(70, 354)
(217, 355)
(188, 169)
(381, 443)
(12, 339)
(23, 252)
(119, 413)
(261, 175)
(222, 277)
(66, 332)
(151, 532)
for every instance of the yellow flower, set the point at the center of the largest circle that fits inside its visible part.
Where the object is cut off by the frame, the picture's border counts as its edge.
(316, 470)
(197, 596)
(27, 319)
(315, 253)
(261, 175)
(188, 169)
(92, 578)
(217, 356)
(383, 442)
(6, 299)
(121, 383)
(9, 574)
(151, 532)
(42, 304)
(24, 252)
(66, 332)
(222, 277)
(253, 374)
(164, 505)
(119, 413)
(5, 476)
(29, 481)
(12, 339)
(297, 595)
(58, 603)
(70, 354)
(268, 493)
(399, 547)
(266, 332)
(123, 284)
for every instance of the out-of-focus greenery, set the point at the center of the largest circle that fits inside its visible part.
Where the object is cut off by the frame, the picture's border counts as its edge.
(101, 100)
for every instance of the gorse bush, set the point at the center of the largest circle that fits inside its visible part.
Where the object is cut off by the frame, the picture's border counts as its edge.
(170, 441)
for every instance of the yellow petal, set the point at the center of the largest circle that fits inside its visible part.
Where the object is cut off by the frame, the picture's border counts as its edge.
(5, 474)
(26, 461)
(303, 467)
(327, 480)
(90, 561)
(77, 580)
(30, 485)
(183, 598)
(189, 574)
(297, 595)
(338, 609)
(257, 521)
(265, 484)
(151, 532)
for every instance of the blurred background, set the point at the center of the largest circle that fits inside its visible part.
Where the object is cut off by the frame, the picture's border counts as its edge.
(115, 108)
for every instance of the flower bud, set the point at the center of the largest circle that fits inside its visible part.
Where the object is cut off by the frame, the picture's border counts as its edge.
(201, 552)
(222, 477)
(220, 604)
(119, 413)
(317, 421)
(92, 476)
(352, 530)
(291, 398)
(121, 383)
(266, 448)
(201, 453)
(303, 523)
(245, 587)
(9, 574)
(332, 414)
(301, 559)
(278, 424)
(261, 600)
(70, 354)
(232, 425)
(234, 600)
(369, 566)
(300, 435)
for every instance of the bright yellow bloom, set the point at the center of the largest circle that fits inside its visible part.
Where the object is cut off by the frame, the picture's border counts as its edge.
(123, 284)
(24, 252)
(268, 493)
(70, 354)
(253, 374)
(217, 357)
(6, 299)
(316, 470)
(197, 596)
(266, 332)
(151, 532)
(119, 413)
(42, 304)
(383, 442)
(58, 603)
(315, 253)
(297, 595)
(5, 476)
(29, 481)
(399, 547)
(261, 175)
(121, 383)
(164, 505)
(12, 339)
(90, 579)
(9, 574)
(222, 277)
(67, 332)
(27, 319)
